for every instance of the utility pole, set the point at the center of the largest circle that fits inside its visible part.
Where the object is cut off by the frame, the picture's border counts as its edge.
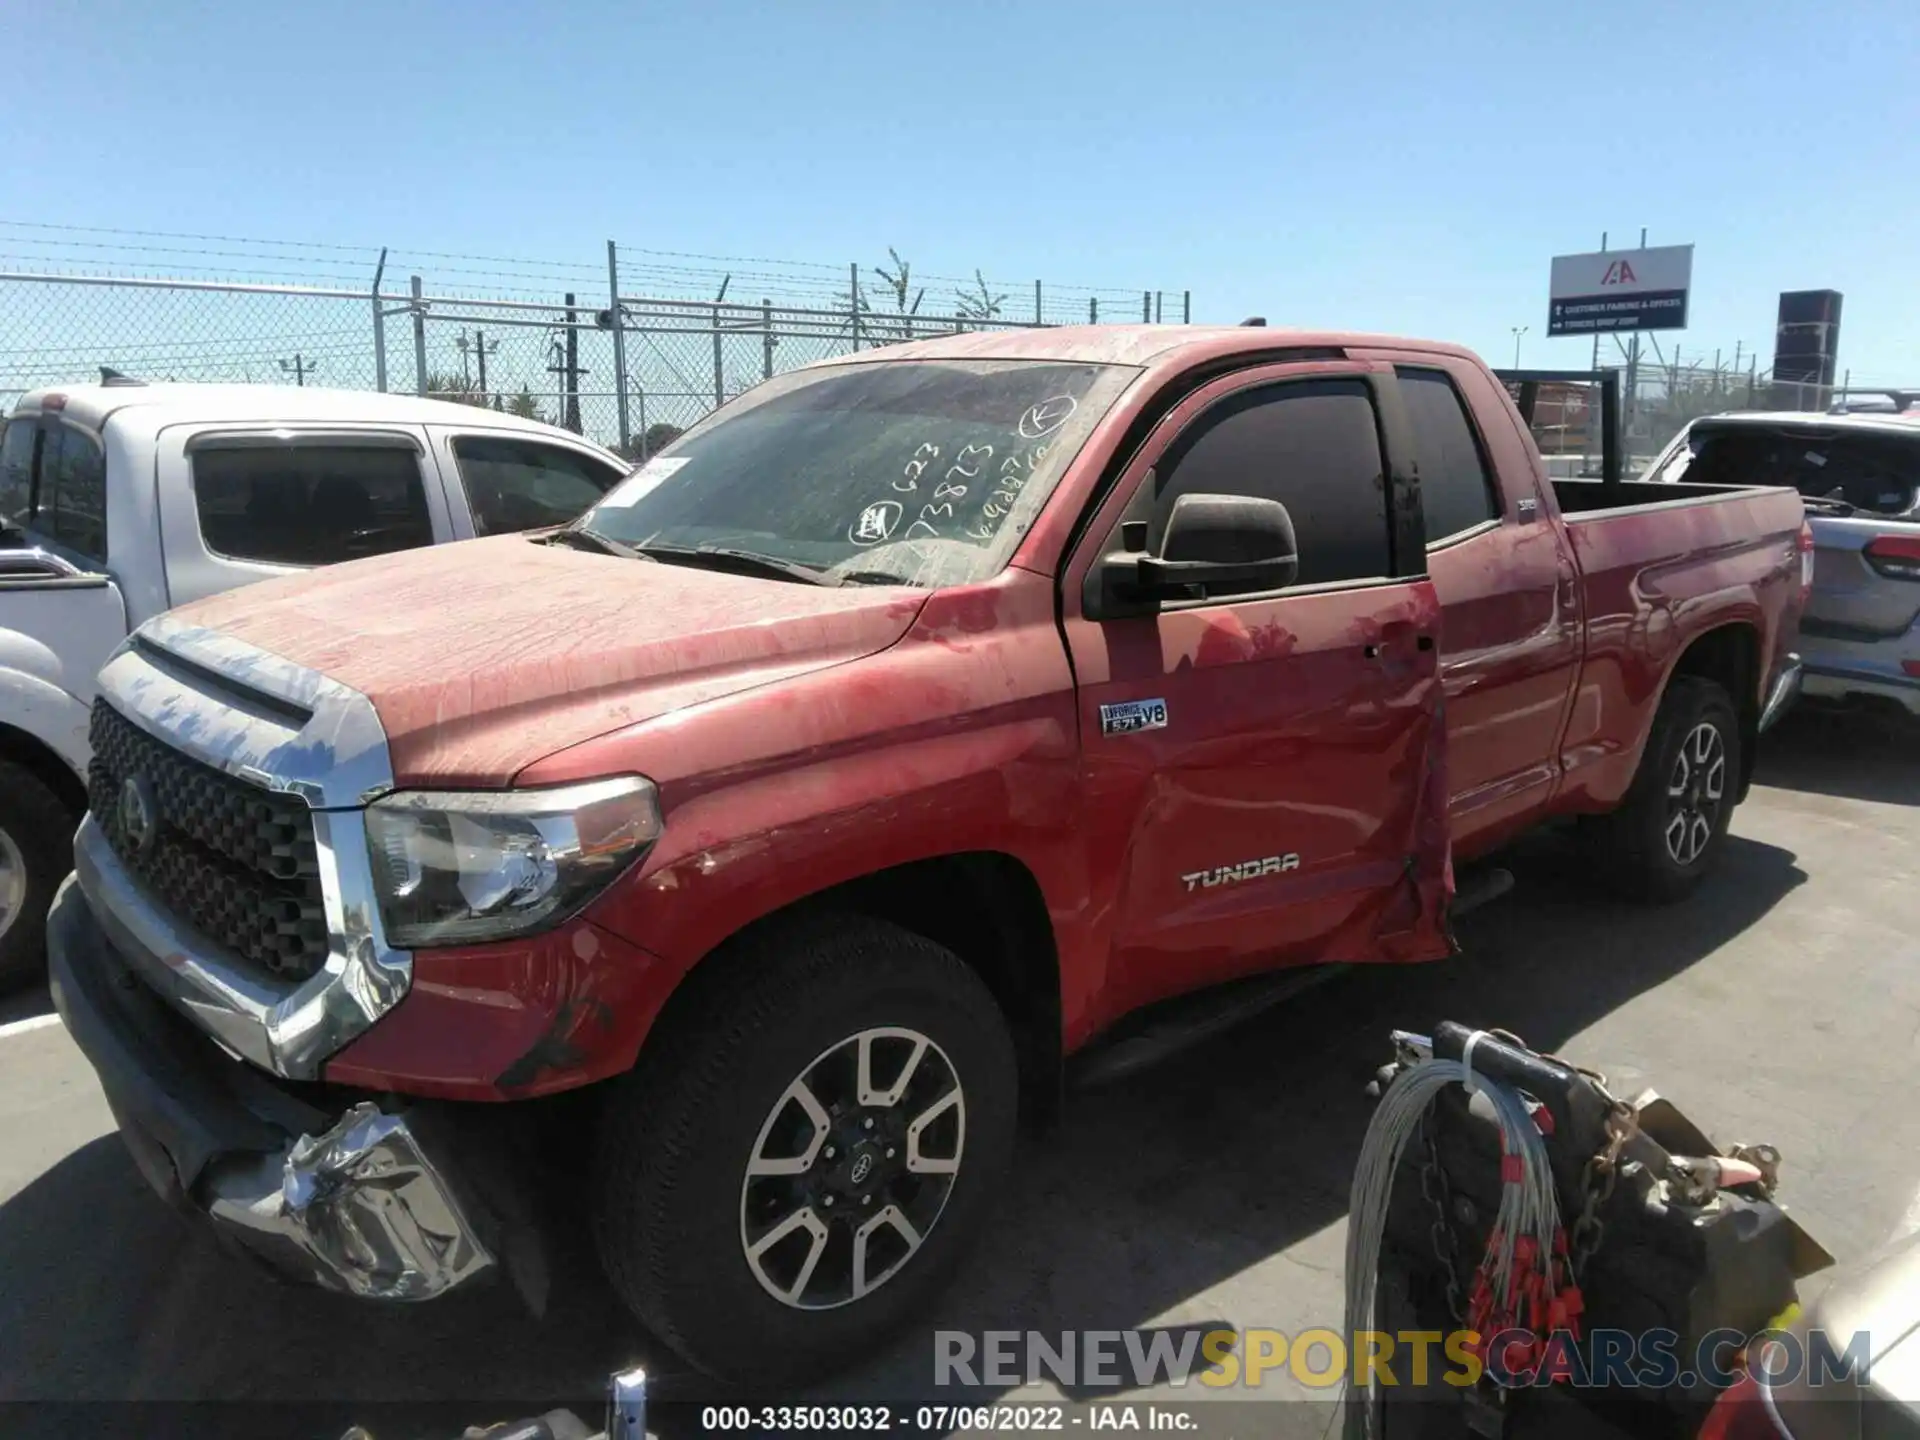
(300, 366)
(479, 349)
(1518, 331)
(570, 372)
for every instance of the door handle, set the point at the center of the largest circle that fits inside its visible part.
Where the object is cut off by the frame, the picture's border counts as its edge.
(1372, 649)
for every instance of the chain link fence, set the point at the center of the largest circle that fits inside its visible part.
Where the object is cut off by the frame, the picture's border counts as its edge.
(543, 339)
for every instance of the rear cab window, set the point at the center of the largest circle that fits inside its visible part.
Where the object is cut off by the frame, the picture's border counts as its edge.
(1870, 471)
(1456, 487)
(307, 503)
(515, 484)
(53, 485)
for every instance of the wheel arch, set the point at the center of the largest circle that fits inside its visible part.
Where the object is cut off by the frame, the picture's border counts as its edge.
(1728, 655)
(31, 753)
(986, 906)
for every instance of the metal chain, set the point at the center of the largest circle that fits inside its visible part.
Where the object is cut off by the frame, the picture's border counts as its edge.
(1439, 1192)
(1602, 1172)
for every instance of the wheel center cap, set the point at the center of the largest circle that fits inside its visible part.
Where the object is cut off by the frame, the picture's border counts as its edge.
(866, 1168)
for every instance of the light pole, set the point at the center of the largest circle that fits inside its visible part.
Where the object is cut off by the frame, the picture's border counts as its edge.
(1518, 331)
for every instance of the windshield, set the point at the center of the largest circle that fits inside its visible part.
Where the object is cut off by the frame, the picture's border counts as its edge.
(917, 472)
(1860, 469)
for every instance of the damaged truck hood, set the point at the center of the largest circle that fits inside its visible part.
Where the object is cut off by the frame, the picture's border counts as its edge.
(483, 657)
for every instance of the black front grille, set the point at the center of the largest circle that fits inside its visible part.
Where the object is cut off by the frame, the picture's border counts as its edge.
(233, 860)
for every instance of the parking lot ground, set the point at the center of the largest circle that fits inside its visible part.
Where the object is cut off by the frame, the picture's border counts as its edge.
(1780, 1003)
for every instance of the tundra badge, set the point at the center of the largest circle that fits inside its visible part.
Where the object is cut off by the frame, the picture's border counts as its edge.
(1245, 870)
(1131, 715)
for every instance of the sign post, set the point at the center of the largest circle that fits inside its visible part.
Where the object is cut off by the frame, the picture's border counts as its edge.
(1620, 290)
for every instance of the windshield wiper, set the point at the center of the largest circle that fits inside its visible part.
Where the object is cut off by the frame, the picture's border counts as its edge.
(746, 562)
(579, 537)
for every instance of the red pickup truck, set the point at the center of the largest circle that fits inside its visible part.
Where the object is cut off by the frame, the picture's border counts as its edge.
(918, 721)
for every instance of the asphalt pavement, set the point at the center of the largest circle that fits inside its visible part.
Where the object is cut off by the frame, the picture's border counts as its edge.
(1780, 1003)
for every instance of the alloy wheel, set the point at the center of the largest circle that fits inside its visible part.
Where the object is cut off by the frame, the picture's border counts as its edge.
(13, 882)
(852, 1168)
(1696, 787)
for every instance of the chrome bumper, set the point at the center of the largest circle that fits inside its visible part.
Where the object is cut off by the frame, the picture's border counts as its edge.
(360, 1202)
(1786, 687)
(359, 1208)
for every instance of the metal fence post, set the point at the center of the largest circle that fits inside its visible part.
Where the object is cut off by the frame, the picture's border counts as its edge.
(419, 340)
(1146, 307)
(1039, 312)
(719, 362)
(619, 343)
(1093, 309)
(853, 300)
(379, 327)
(766, 338)
(1186, 307)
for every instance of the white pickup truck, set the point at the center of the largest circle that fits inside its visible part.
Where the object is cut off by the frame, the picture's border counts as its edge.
(119, 501)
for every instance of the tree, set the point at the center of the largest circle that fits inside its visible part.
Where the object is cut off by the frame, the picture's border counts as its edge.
(524, 405)
(899, 282)
(658, 436)
(979, 304)
(458, 389)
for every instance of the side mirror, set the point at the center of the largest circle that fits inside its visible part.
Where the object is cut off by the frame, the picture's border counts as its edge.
(1212, 541)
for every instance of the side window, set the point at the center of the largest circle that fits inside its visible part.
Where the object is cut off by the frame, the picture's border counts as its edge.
(73, 492)
(310, 504)
(16, 473)
(1314, 446)
(1455, 492)
(523, 485)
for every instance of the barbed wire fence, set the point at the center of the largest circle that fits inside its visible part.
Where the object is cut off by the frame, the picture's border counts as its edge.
(626, 351)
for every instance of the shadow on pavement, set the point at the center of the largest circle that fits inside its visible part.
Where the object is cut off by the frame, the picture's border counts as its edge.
(1852, 754)
(25, 1004)
(1149, 1195)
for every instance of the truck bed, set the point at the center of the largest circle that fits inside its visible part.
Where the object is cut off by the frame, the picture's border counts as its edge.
(1579, 499)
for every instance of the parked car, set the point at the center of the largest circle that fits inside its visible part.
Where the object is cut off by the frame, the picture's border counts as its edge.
(118, 501)
(1840, 1367)
(1860, 476)
(914, 723)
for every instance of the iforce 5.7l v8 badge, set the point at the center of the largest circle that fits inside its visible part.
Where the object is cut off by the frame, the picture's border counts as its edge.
(1131, 715)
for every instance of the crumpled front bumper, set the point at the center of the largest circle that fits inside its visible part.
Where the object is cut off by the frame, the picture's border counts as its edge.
(353, 1201)
(359, 1208)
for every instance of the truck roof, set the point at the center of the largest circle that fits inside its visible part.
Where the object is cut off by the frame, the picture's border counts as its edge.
(91, 405)
(1905, 423)
(1142, 345)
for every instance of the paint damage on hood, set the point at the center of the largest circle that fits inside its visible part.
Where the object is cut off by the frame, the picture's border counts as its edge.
(483, 657)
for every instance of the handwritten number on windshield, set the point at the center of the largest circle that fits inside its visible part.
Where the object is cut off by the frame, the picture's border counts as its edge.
(985, 452)
(924, 456)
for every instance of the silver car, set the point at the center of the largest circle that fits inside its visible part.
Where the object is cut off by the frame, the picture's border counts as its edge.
(1860, 476)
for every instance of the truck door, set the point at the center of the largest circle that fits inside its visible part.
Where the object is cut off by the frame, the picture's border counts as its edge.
(61, 612)
(1510, 617)
(1264, 770)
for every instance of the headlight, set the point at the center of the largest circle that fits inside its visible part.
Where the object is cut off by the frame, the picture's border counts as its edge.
(454, 867)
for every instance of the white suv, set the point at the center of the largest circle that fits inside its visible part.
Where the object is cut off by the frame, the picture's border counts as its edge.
(120, 501)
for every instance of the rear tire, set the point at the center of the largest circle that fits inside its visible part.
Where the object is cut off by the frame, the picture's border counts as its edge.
(856, 1211)
(36, 852)
(1672, 825)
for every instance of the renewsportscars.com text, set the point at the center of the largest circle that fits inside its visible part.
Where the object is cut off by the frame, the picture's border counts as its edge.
(1325, 1359)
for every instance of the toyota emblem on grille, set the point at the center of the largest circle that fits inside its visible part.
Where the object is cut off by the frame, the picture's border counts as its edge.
(138, 821)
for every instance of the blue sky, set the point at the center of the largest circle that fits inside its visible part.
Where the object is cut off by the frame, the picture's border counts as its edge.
(1396, 166)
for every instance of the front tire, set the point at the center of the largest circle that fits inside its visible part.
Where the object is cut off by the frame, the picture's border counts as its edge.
(1672, 825)
(804, 1153)
(36, 852)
